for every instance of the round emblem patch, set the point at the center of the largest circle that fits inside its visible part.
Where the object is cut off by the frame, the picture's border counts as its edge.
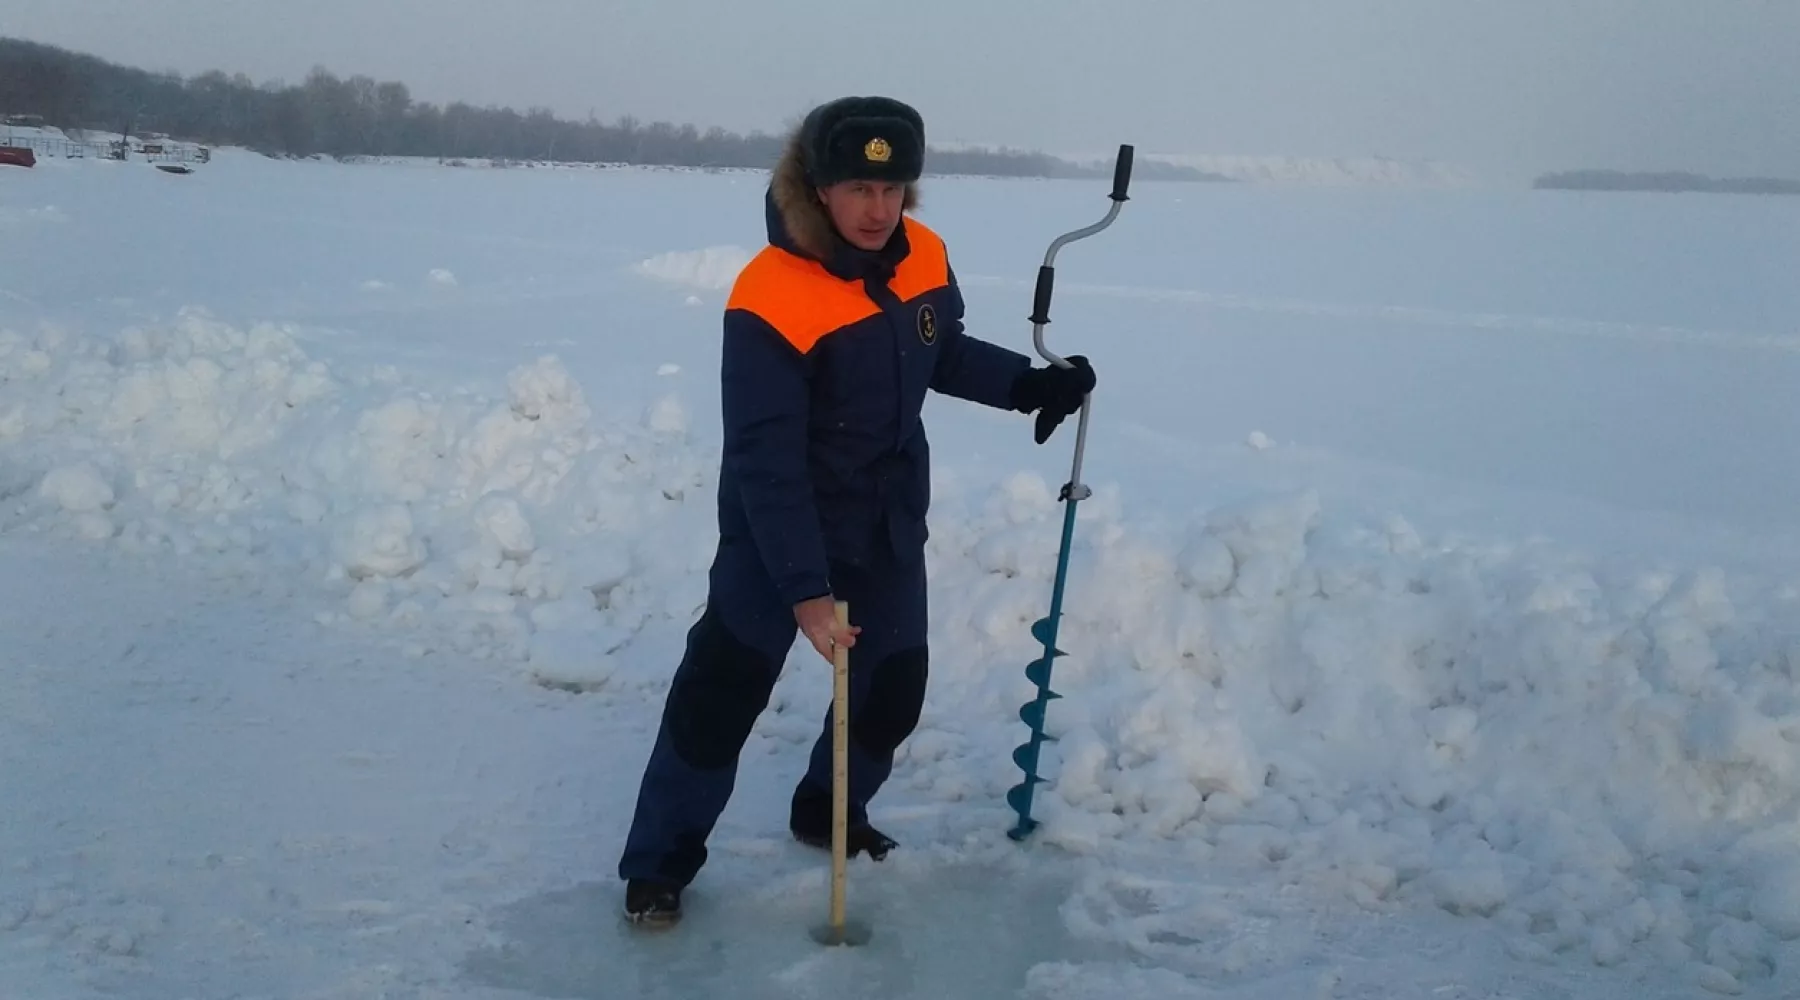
(927, 323)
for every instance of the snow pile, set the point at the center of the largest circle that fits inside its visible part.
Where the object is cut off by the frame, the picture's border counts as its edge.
(20, 134)
(486, 525)
(1606, 768)
(714, 268)
(1599, 765)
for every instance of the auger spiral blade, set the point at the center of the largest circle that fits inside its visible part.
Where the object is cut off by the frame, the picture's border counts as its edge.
(1044, 631)
(1032, 714)
(1038, 672)
(1019, 795)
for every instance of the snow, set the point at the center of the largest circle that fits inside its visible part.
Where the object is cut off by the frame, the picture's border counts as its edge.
(14, 219)
(1433, 629)
(711, 267)
(76, 488)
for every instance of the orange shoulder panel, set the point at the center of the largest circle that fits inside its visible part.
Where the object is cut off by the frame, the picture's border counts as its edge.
(927, 263)
(799, 298)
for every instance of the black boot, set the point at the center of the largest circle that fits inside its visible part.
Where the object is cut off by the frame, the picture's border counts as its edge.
(809, 819)
(655, 904)
(857, 840)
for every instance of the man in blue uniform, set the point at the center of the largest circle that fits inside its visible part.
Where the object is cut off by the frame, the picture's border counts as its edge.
(833, 334)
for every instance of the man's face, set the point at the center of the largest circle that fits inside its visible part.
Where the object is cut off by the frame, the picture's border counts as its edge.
(865, 212)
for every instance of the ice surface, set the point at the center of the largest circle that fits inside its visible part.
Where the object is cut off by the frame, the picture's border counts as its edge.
(936, 930)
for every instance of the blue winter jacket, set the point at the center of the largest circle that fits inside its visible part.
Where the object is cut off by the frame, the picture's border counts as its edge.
(825, 367)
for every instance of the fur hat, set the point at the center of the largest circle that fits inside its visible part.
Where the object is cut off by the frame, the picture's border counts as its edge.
(793, 192)
(863, 138)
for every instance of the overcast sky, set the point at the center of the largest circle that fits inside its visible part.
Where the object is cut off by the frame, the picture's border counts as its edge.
(1507, 85)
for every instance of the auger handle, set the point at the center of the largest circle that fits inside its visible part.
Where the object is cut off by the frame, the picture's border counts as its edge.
(1122, 174)
(1040, 306)
(1046, 278)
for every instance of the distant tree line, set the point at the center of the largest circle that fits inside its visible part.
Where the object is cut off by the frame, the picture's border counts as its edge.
(1616, 180)
(360, 116)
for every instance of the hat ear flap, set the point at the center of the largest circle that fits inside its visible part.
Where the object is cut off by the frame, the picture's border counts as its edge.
(812, 160)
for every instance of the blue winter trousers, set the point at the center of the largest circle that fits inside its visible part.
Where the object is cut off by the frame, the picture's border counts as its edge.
(733, 657)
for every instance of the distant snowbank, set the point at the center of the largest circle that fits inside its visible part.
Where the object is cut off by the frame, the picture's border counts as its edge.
(1325, 171)
(495, 163)
(1607, 768)
(54, 145)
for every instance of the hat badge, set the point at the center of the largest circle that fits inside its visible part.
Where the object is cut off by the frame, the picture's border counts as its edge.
(878, 150)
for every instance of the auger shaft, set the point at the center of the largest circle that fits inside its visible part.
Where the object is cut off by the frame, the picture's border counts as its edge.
(1045, 629)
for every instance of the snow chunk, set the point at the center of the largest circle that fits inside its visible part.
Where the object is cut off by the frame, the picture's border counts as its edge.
(94, 526)
(503, 523)
(77, 488)
(379, 541)
(1475, 885)
(545, 391)
(667, 416)
(1719, 981)
(1266, 541)
(1452, 725)
(714, 267)
(572, 660)
(573, 647)
(1207, 565)
(1776, 902)
(368, 599)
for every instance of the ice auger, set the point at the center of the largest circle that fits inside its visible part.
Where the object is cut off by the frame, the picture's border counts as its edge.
(1044, 629)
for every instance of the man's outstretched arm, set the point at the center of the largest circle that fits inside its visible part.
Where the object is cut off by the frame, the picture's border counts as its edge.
(971, 368)
(983, 372)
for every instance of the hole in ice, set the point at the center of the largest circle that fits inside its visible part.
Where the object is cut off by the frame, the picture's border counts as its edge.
(952, 930)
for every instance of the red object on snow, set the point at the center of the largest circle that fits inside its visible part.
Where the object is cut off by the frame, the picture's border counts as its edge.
(17, 156)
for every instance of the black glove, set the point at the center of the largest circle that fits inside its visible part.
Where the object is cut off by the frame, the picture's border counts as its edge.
(1053, 392)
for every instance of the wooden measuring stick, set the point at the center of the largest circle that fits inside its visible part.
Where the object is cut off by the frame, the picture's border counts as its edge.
(840, 771)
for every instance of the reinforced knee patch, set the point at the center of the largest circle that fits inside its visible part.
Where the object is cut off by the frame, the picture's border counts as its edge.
(719, 690)
(896, 697)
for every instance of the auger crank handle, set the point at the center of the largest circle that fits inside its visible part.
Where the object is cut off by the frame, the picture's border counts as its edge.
(1046, 277)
